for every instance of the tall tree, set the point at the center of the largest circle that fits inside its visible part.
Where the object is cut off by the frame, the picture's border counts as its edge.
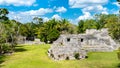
(81, 26)
(100, 19)
(3, 14)
(65, 26)
(48, 32)
(29, 31)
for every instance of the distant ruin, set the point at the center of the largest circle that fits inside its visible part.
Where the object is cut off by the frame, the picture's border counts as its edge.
(23, 41)
(93, 40)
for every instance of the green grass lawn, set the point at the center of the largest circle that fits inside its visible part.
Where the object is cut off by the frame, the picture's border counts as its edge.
(35, 56)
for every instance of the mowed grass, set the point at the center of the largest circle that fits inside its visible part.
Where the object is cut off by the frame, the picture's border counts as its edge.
(35, 56)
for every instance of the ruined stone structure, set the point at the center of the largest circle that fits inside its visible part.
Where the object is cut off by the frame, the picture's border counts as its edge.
(93, 40)
(22, 40)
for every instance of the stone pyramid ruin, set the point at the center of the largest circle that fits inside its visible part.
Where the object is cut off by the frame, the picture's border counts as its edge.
(69, 45)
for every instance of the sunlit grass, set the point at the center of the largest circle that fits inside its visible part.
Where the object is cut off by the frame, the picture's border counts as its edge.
(35, 56)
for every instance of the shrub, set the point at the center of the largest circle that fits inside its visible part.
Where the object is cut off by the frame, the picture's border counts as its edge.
(76, 55)
(49, 35)
(53, 35)
(6, 48)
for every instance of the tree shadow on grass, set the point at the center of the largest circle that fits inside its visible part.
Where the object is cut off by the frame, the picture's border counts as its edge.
(118, 66)
(2, 59)
(3, 56)
(20, 49)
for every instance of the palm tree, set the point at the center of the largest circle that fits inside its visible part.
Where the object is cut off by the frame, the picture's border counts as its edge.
(64, 25)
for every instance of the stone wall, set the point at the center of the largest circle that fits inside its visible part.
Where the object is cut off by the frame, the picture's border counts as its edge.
(93, 40)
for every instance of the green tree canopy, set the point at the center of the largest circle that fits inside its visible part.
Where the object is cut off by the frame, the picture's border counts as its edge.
(3, 14)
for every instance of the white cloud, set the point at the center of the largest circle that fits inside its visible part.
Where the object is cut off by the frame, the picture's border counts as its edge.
(89, 6)
(20, 17)
(56, 16)
(45, 19)
(116, 3)
(61, 9)
(86, 15)
(104, 12)
(86, 3)
(27, 16)
(73, 21)
(17, 2)
(97, 8)
(115, 12)
(41, 11)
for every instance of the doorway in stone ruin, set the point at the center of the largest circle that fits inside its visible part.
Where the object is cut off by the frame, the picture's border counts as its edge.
(68, 39)
(80, 40)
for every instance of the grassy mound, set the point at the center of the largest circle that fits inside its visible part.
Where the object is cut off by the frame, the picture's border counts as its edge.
(35, 56)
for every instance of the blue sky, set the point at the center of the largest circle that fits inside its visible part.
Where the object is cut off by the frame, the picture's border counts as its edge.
(73, 10)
